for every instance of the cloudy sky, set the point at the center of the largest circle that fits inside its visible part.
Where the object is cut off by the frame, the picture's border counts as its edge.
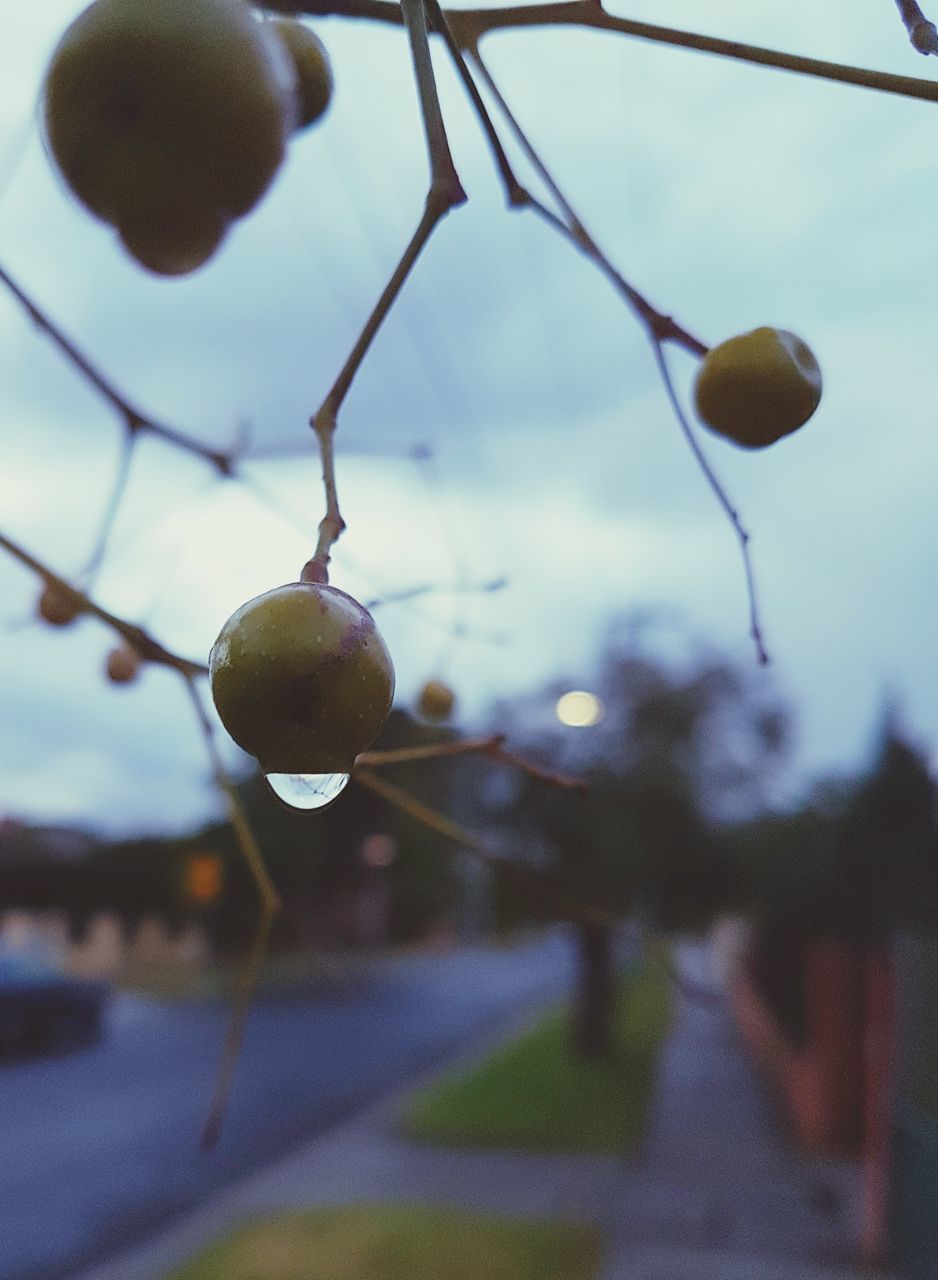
(732, 196)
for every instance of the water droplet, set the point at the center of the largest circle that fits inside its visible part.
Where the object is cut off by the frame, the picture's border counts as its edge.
(307, 790)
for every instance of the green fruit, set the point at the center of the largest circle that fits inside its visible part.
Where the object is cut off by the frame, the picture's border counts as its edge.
(436, 700)
(758, 387)
(311, 63)
(302, 679)
(177, 242)
(155, 107)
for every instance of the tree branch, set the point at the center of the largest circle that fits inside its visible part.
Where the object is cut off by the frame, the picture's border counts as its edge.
(571, 226)
(493, 746)
(538, 883)
(445, 193)
(923, 35)
(133, 419)
(270, 905)
(469, 25)
(742, 535)
(148, 648)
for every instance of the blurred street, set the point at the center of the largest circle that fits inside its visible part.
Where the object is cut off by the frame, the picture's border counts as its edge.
(99, 1149)
(717, 1191)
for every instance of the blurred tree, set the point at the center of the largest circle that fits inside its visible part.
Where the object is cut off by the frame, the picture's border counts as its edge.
(683, 749)
(860, 856)
(887, 866)
(855, 862)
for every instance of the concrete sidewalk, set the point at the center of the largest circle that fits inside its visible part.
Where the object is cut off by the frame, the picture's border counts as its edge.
(716, 1193)
(718, 1190)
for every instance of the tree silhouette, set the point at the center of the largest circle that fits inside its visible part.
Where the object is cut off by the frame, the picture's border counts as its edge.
(683, 750)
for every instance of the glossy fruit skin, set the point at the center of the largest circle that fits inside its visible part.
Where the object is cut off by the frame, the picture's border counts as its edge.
(311, 63)
(123, 665)
(302, 679)
(758, 387)
(157, 108)
(436, 700)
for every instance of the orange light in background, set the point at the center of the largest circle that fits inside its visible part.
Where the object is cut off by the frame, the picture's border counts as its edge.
(203, 878)
(579, 709)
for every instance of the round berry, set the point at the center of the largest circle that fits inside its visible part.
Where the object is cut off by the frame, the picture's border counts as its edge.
(156, 107)
(57, 607)
(311, 63)
(302, 679)
(758, 387)
(123, 664)
(177, 242)
(436, 700)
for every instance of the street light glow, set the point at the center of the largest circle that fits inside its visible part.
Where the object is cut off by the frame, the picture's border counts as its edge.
(579, 709)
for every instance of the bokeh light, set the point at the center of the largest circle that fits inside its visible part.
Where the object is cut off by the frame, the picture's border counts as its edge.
(579, 709)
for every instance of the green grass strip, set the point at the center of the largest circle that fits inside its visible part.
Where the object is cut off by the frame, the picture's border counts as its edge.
(398, 1242)
(536, 1095)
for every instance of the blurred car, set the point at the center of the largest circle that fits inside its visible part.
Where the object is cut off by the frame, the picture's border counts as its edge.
(42, 1010)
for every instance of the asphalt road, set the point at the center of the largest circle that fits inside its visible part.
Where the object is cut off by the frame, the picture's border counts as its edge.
(99, 1147)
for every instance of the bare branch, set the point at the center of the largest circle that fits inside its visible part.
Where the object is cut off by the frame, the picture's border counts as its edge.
(152, 651)
(538, 883)
(514, 191)
(111, 506)
(234, 1036)
(445, 193)
(414, 593)
(443, 175)
(133, 419)
(572, 227)
(148, 648)
(742, 535)
(270, 905)
(562, 780)
(332, 524)
(660, 328)
(469, 25)
(430, 751)
(492, 745)
(923, 35)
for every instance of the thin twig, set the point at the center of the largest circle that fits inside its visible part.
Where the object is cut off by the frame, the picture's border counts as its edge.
(660, 328)
(516, 193)
(429, 751)
(443, 173)
(492, 745)
(742, 534)
(131, 435)
(270, 905)
(152, 651)
(234, 1035)
(923, 35)
(445, 193)
(550, 776)
(245, 836)
(332, 524)
(573, 228)
(133, 419)
(470, 25)
(539, 883)
(414, 593)
(323, 421)
(148, 648)
(274, 502)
